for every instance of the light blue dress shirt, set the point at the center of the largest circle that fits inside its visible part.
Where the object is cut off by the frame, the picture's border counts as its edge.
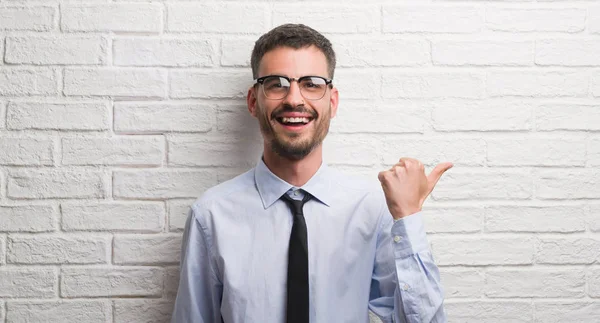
(235, 252)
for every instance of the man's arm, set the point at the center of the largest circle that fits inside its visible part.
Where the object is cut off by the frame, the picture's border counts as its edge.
(406, 282)
(200, 290)
(403, 260)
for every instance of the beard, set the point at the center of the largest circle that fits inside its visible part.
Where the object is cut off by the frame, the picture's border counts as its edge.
(292, 145)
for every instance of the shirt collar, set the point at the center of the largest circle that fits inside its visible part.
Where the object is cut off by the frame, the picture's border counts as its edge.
(271, 188)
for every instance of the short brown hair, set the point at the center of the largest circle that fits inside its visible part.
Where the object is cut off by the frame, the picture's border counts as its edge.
(295, 36)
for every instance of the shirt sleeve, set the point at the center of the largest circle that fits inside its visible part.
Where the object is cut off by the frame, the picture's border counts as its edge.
(200, 290)
(405, 286)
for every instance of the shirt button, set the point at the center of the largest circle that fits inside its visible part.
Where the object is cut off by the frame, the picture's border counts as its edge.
(295, 193)
(397, 238)
(405, 287)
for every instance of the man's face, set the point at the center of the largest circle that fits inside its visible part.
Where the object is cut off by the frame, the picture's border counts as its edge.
(292, 138)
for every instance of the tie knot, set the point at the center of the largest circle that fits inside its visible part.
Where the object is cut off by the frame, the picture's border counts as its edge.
(296, 205)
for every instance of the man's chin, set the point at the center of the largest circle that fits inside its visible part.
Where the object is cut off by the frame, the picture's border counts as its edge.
(292, 151)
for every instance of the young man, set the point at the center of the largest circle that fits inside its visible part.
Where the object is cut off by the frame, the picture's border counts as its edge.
(295, 241)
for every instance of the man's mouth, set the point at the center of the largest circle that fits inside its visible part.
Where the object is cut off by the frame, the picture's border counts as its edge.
(294, 123)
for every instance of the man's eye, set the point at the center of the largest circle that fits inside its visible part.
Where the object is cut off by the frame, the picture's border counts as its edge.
(311, 85)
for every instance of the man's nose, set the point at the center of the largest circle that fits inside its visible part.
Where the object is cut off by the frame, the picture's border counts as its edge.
(294, 97)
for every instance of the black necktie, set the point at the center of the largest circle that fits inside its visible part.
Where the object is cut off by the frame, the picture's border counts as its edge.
(297, 283)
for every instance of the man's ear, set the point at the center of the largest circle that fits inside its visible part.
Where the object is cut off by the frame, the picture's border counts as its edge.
(334, 100)
(251, 100)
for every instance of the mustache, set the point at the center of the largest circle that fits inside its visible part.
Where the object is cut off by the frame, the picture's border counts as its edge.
(288, 108)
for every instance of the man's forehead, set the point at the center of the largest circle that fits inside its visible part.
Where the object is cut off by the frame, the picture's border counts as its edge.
(284, 57)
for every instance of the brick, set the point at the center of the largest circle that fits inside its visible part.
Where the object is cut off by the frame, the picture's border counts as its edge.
(58, 116)
(146, 249)
(111, 282)
(513, 283)
(569, 20)
(35, 18)
(198, 151)
(163, 52)
(479, 311)
(200, 84)
(482, 53)
(349, 150)
(178, 211)
(536, 152)
(593, 217)
(171, 280)
(64, 50)
(64, 311)
(477, 185)
(567, 117)
(2, 115)
(235, 119)
(594, 19)
(482, 116)
(459, 283)
(381, 52)
(23, 282)
(353, 84)
(433, 85)
(34, 184)
(329, 18)
(593, 282)
(435, 150)
(569, 184)
(2, 250)
(119, 82)
(478, 251)
(537, 84)
(441, 219)
(217, 17)
(25, 81)
(567, 52)
(596, 84)
(112, 17)
(593, 152)
(57, 249)
(566, 311)
(142, 311)
(114, 217)
(138, 150)
(567, 251)
(27, 218)
(359, 117)
(26, 151)
(534, 218)
(162, 184)
(432, 19)
(163, 117)
(236, 52)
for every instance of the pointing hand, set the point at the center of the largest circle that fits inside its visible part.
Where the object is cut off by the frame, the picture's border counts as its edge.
(406, 186)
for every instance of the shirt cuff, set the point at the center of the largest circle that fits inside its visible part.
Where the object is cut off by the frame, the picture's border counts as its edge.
(408, 236)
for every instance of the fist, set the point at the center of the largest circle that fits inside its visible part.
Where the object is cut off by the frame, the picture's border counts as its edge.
(406, 186)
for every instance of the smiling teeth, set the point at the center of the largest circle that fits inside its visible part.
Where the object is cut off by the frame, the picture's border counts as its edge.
(294, 120)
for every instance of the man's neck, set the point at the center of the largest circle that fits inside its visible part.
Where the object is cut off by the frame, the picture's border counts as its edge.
(295, 172)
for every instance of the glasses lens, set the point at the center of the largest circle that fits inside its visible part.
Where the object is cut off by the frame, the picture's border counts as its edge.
(276, 87)
(312, 87)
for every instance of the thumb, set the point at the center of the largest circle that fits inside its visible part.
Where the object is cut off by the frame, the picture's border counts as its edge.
(437, 173)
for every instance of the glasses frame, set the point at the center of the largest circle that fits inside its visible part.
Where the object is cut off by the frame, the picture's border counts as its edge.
(261, 80)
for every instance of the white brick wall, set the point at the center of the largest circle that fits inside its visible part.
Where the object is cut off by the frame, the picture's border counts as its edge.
(116, 115)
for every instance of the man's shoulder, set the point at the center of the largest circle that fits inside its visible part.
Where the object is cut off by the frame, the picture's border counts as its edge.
(226, 189)
(362, 182)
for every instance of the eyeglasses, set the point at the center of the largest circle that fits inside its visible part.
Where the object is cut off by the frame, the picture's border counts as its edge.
(277, 87)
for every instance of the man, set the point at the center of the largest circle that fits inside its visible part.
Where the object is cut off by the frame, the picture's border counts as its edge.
(295, 241)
